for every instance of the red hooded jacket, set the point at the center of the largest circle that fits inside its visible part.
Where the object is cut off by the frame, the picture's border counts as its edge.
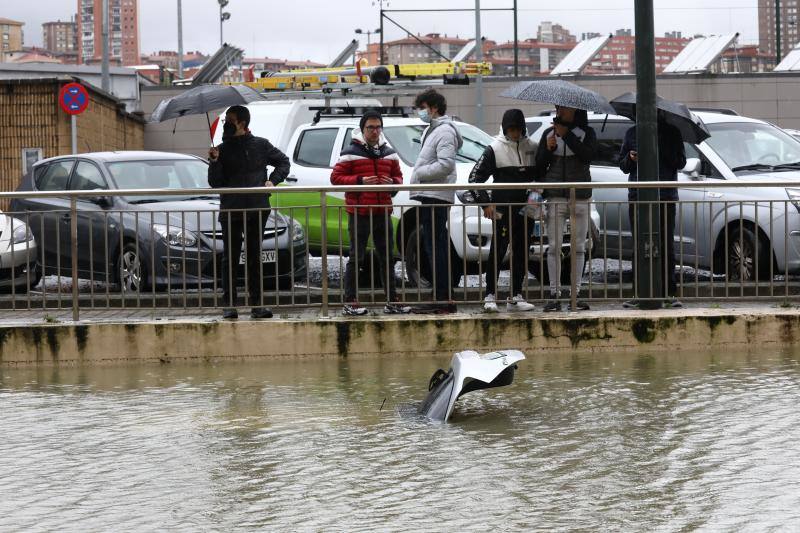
(358, 161)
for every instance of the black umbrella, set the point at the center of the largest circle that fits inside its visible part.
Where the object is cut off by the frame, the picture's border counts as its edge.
(203, 99)
(560, 93)
(692, 128)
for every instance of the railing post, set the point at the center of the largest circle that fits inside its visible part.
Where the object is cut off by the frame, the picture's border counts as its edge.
(573, 282)
(73, 244)
(323, 222)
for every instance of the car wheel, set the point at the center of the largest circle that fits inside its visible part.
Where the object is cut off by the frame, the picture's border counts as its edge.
(420, 277)
(745, 250)
(131, 269)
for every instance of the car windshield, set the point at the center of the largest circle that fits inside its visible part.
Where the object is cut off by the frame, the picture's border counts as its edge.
(159, 174)
(406, 140)
(753, 146)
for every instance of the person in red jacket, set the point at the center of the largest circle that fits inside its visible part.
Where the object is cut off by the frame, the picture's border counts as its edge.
(369, 160)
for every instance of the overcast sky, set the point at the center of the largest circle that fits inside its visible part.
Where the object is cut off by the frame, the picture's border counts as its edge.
(320, 29)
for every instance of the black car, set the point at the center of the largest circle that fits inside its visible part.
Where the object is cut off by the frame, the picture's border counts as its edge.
(141, 241)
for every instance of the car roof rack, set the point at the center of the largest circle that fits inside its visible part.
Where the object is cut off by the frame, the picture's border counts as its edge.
(357, 111)
(720, 110)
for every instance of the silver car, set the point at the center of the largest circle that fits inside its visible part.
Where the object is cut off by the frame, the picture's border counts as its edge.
(742, 232)
(18, 255)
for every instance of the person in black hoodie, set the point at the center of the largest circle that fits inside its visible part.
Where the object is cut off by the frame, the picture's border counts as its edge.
(671, 158)
(509, 159)
(565, 152)
(241, 161)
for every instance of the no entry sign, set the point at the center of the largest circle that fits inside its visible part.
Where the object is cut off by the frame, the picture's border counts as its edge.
(73, 98)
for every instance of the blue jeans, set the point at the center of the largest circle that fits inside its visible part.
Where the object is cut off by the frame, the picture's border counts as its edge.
(436, 244)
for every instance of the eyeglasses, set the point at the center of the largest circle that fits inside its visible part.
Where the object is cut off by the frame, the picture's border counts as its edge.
(373, 128)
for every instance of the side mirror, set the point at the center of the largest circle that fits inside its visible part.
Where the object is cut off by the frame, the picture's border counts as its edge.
(102, 201)
(693, 167)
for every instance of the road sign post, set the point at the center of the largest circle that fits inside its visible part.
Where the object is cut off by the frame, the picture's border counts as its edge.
(73, 99)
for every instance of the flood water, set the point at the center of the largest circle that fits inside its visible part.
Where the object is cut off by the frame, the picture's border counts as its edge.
(660, 442)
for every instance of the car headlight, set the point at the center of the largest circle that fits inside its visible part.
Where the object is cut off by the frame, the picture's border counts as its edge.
(175, 236)
(298, 234)
(22, 233)
(794, 197)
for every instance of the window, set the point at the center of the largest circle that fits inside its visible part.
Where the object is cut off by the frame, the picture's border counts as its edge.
(56, 176)
(609, 141)
(745, 144)
(315, 147)
(87, 177)
(348, 138)
(406, 141)
(159, 174)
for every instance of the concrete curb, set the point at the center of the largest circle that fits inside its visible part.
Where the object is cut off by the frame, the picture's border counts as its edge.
(207, 340)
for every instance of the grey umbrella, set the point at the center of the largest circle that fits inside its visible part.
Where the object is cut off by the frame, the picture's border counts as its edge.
(559, 92)
(692, 128)
(203, 99)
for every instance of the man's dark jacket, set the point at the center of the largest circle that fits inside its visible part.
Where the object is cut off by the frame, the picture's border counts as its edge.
(671, 159)
(557, 167)
(243, 162)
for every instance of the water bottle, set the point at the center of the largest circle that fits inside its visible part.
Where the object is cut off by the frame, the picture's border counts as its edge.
(533, 209)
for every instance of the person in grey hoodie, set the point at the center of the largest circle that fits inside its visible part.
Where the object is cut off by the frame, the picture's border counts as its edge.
(436, 164)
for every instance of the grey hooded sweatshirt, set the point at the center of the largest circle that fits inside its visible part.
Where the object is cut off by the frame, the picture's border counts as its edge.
(436, 162)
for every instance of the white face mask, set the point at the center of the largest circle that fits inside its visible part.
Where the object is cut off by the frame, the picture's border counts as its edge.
(424, 116)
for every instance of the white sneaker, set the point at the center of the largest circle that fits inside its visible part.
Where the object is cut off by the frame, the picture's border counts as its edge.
(517, 304)
(490, 304)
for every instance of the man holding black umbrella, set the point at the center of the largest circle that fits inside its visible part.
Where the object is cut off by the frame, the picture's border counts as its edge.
(671, 158)
(241, 161)
(676, 125)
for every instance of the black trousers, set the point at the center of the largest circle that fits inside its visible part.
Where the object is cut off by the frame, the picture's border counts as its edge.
(234, 226)
(359, 228)
(509, 228)
(667, 220)
(433, 215)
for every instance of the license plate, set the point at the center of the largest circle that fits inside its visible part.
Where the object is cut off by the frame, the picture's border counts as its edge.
(267, 256)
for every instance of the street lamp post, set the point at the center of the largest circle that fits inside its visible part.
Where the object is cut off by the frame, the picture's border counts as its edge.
(223, 16)
(649, 259)
(180, 40)
(380, 30)
(359, 31)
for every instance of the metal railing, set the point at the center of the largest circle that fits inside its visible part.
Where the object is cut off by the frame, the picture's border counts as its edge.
(85, 247)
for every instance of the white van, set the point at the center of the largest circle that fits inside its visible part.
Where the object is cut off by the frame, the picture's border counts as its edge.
(277, 120)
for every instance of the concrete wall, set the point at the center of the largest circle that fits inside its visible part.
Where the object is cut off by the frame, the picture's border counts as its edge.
(774, 98)
(688, 331)
(190, 133)
(771, 97)
(30, 117)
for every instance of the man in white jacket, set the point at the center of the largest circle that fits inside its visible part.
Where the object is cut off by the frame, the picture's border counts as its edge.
(436, 164)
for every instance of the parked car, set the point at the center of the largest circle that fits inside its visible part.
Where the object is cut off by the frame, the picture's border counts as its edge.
(141, 241)
(314, 149)
(18, 253)
(715, 224)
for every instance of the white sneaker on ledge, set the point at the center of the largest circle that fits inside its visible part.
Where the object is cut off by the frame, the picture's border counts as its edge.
(490, 304)
(517, 304)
